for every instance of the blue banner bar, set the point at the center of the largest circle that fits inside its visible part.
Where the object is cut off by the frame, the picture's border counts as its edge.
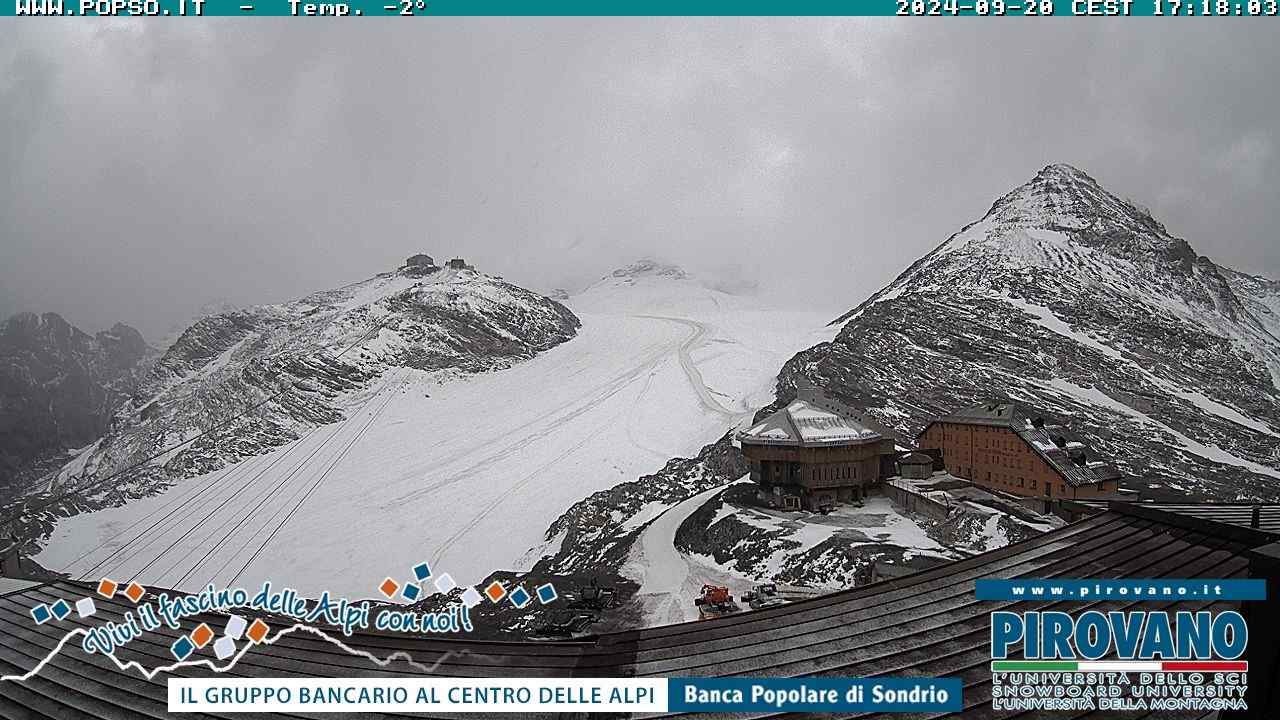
(1153, 590)
(818, 695)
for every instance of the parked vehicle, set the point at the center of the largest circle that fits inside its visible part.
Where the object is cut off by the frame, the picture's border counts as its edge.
(592, 597)
(715, 601)
(764, 595)
(565, 623)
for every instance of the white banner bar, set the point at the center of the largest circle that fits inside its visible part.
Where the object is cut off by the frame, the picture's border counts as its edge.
(228, 695)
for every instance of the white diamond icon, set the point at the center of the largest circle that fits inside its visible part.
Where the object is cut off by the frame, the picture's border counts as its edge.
(470, 597)
(445, 583)
(235, 627)
(224, 647)
(86, 607)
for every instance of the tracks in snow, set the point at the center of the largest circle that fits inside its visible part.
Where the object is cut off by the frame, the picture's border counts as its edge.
(697, 339)
(465, 476)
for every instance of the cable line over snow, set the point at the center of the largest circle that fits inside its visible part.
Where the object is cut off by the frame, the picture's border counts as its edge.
(190, 502)
(214, 430)
(372, 417)
(296, 472)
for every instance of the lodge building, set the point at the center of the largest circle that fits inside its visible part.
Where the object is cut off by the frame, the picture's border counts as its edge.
(1009, 446)
(816, 452)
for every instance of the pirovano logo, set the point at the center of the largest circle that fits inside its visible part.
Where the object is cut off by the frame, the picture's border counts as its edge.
(1098, 659)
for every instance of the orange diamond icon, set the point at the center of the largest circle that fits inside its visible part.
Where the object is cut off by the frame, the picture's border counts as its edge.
(257, 630)
(201, 635)
(134, 592)
(495, 591)
(107, 588)
(389, 588)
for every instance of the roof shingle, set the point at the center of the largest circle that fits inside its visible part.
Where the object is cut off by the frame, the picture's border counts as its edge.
(928, 623)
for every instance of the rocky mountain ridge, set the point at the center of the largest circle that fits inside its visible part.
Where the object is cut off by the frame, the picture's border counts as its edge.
(239, 383)
(1066, 296)
(59, 387)
(1062, 295)
(648, 268)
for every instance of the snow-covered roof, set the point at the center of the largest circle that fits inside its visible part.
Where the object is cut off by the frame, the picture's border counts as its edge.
(814, 419)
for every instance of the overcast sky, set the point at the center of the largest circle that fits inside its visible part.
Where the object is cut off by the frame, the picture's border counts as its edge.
(147, 169)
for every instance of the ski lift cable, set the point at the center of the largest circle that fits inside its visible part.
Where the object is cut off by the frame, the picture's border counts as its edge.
(193, 509)
(188, 499)
(300, 489)
(192, 501)
(373, 417)
(196, 525)
(319, 480)
(226, 425)
(264, 498)
(300, 504)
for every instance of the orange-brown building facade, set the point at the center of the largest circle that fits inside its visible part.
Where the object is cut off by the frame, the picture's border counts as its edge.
(1009, 447)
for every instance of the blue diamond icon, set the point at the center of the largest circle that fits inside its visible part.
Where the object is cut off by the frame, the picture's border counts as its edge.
(546, 593)
(61, 609)
(40, 614)
(182, 648)
(422, 571)
(520, 597)
(410, 592)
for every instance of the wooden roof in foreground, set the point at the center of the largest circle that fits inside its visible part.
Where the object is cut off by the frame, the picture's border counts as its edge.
(925, 624)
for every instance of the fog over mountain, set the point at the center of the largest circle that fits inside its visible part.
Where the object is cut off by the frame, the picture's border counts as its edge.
(152, 169)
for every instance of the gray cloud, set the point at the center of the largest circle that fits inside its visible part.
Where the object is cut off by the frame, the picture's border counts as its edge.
(151, 168)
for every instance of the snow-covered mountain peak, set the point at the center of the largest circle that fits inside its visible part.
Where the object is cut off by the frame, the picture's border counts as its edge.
(1061, 234)
(1063, 170)
(1069, 297)
(649, 268)
(1063, 198)
(283, 370)
(653, 286)
(58, 386)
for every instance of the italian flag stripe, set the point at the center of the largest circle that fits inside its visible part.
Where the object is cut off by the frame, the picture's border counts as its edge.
(1118, 666)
